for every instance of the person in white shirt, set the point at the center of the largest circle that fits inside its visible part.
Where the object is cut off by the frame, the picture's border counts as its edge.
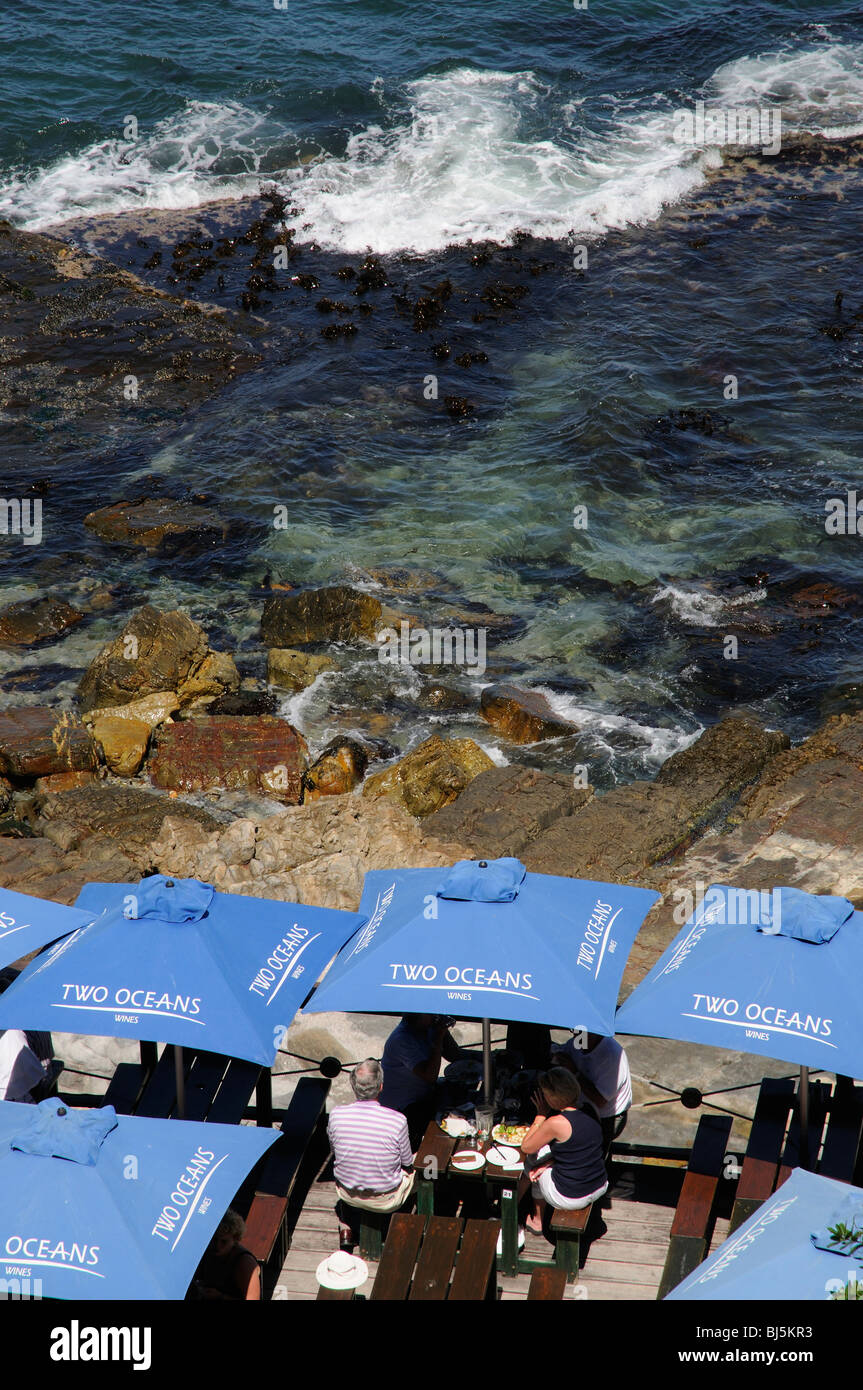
(20, 1068)
(602, 1068)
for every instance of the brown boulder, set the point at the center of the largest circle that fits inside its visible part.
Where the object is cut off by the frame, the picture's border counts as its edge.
(123, 743)
(505, 810)
(152, 710)
(228, 751)
(522, 716)
(36, 620)
(724, 759)
(36, 741)
(337, 614)
(5, 796)
(293, 670)
(340, 768)
(431, 775)
(157, 524)
(63, 782)
(108, 820)
(157, 652)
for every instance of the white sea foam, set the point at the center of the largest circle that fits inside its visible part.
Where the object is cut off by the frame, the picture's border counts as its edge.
(209, 150)
(464, 160)
(701, 608)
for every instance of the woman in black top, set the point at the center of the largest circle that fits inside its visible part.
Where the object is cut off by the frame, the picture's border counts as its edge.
(569, 1140)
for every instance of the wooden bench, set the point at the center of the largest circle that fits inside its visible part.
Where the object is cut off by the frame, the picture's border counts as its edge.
(277, 1182)
(692, 1227)
(819, 1096)
(761, 1162)
(548, 1284)
(567, 1228)
(844, 1132)
(423, 1254)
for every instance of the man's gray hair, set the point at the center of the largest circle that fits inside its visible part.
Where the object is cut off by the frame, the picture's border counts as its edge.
(367, 1078)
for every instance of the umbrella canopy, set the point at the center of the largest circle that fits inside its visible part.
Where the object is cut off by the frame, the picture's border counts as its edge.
(101, 1206)
(772, 1255)
(741, 975)
(488, 940)
(171, 959)
(27, 924)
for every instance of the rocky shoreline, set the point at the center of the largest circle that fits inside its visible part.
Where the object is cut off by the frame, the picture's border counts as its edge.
(173, 764)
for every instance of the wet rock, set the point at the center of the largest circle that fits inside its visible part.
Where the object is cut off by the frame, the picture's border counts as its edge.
(75, 328)
(251, 702)
(523, 716)
(36, 741)
(36, 620)
(294, 670)
(505, 810)
(431, 775)
(157, 652)
(444, 697)
(152, 710)
(337, 614)
(723, 760)
(158, 524)
(112, 823)
(5, 796)
(340, 767)
(263, 754)
(63, 782)
(123, 743)
(36, 678)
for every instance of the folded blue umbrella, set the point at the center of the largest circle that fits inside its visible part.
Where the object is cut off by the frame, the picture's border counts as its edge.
(805, 917)
(99, 1206)
(548, 950)
(174, 961)
(771, 1256)
(728, 980)
(27, 924)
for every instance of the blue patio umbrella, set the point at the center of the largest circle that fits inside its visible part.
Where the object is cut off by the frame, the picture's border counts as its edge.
(172, 959)
(96, 1205)
(775, 973)
(772, 1256)
(27, 924)
(486, 939)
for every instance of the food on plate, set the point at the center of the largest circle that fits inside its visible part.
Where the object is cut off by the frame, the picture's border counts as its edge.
(509, 1134)
(456, 1126)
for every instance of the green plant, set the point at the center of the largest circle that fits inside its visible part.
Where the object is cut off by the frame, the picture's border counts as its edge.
(847, 1236)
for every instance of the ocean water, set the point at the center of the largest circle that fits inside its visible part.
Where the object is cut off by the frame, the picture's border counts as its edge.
(534, 147)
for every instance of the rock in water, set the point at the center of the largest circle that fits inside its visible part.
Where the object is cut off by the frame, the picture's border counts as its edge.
(292, 670)
(36, 741)
(522, 716)
(721, 761)
(431, 775)
(338, 614)
(262, 753)
(158, 524)
(340, 768)
(157, 652)
(36, 620)
(152, 710)
(123, 742)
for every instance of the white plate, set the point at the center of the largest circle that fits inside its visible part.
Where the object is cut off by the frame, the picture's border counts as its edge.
(467, 1161)
(504, 1157)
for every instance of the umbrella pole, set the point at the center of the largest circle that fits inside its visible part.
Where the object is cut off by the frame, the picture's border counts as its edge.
(803, 1094)
(486, 1061)
(181, 1083)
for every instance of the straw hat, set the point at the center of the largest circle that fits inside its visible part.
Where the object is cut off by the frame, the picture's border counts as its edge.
(342, 1271)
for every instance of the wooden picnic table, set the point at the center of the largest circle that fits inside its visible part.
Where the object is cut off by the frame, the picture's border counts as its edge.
(433, 1163)
(429, 1259)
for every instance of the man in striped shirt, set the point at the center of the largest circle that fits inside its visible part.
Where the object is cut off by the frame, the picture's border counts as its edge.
(372, 1153)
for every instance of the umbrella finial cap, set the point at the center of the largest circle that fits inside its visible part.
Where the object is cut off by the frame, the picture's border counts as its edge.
(61, 1110)
(483, 863)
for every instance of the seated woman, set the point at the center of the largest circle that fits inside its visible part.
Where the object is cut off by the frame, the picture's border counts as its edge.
(227, 1272)
(573, 1174)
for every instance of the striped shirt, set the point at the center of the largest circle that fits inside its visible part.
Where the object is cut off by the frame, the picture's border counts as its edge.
(370, 1145)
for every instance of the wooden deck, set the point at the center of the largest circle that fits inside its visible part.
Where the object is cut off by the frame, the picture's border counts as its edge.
(624, 1262)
